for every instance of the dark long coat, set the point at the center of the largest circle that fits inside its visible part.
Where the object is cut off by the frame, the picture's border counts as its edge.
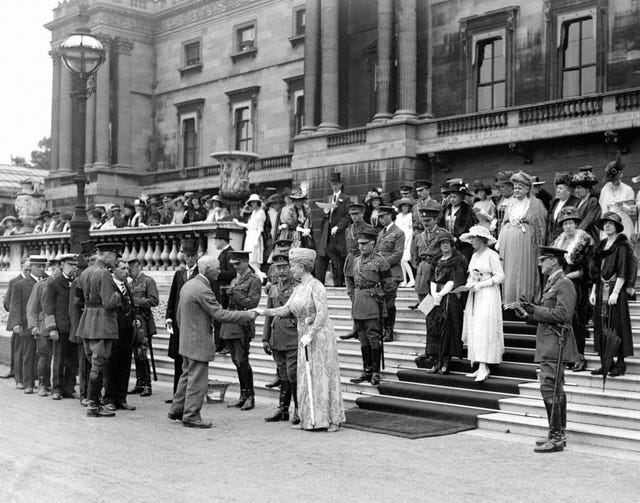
(553, 228)
(179, 279)
(338, 217)
(55, 303)
(590, 212)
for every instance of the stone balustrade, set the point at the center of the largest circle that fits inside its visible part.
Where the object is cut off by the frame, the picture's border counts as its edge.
(561, 110)
(345, 138)
(158, 248)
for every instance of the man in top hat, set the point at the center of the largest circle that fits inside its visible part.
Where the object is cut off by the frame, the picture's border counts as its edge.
(332, 247)
(390, 245)
(57, 322)
(244, 294)
(145, 297)
(373, 283)
(280, 339)
(423, 189)
(226, 273)
(181, 276)
(19, 324)
(25, 271)
(98, 326)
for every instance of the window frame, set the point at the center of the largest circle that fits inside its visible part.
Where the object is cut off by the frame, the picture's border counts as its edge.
(237, 51)
(185, 111)
(187, 66)
(295, 91)
(237, 139)
(241, 98)
(481, 43)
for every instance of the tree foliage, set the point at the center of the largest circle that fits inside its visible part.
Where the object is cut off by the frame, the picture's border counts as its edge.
(40, 159)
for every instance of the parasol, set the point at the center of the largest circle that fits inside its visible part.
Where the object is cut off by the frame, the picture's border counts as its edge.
(609, 344)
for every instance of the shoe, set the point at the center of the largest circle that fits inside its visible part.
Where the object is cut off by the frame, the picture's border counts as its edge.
(146, 391)
(99, 412)
(333, 428)
(413, 307)
(362, 378)
(241, 399)
(274, 384)
(19, 385)
(280, 415)
(580, 365)
(482, 376)
(618, 370)
(472, 374)
(223, 352)
(10, 375)
(125, 406)
(551, 445)
(597, 372)
(174, 416)
(295, 419)
(56, 396)
(111, 407)
(135, 390)
(85, 402)
(249, 404)
(402, 285)
(197, 424)
(169, 400)
(388, 337)
(375, 379)
(411, 284)
(351, 335)
(28, 390)
(42, 391)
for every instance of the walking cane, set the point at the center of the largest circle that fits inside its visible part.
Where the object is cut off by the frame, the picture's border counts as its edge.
(309, 386)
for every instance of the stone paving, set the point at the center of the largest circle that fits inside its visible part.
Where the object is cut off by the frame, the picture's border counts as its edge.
(50, 451)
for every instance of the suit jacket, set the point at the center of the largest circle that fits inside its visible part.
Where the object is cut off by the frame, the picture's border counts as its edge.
(280, 332)
(390, 245)
(125, 313)
(179, 279)
(244, 293)
(338, 217)
(35, 314)
(55, 304)
(557, 307)
(18, 306)
(101, 297)
(225, 276)
(553, 229)
(145, 296)
(197, 309)
(590, 212)
(7, 296)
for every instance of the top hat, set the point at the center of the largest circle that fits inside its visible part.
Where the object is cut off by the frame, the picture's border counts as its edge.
(366, 235)
(550, 251)
(235, 257)
(569, 213)
(86, 247)
(110, 247)
(189, 246)
(335, 178)
(222, 233)
(611, 217)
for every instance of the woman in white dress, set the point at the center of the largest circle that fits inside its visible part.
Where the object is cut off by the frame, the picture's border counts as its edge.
(253, 239)
(404, 220)
(484, 207)
(617, 196)
(482, 323)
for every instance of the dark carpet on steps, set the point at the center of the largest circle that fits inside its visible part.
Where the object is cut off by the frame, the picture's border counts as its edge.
(401, 425)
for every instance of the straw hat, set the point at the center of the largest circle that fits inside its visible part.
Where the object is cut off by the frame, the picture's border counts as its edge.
(480, 232)
(254, 197)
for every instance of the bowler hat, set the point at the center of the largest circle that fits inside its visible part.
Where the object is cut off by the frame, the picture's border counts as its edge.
(613, 218)
(222, 233)
(235, 257)
(335, 178)
(569, 213)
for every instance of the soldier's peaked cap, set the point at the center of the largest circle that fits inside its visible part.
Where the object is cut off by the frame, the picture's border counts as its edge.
(236, 257)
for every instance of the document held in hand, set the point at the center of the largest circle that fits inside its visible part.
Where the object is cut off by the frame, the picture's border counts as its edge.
(427, 305)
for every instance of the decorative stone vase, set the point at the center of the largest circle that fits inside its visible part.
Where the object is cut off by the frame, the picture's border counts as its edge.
(234, 177)
(29, 203)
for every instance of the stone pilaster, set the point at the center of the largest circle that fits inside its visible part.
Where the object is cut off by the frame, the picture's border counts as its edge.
(102, 107)
(383, 77)
(55, 109)
(330, 62)
(65, 124)
(90, 131)
(407, 49)
(123, 47)
(311, 60)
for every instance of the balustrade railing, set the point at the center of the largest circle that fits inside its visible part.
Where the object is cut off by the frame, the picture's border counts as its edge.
(158, 248)
(471, 123)
(559, 110)
(343, 139)
(628, 101)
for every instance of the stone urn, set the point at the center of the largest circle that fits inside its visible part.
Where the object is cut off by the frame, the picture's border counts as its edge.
(234, 177)
(29, 203)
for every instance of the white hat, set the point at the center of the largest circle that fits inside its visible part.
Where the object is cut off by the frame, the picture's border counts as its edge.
(478, 231)
(254, 197)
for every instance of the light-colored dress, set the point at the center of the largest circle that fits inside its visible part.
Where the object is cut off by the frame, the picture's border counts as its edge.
(610, 195)
(482, 324)
(308, 303)
(521, 234)
(487, 212)
(405, 222)
(253, 239)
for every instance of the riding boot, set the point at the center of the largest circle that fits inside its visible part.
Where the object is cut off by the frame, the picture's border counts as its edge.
(366, 366)
(250, 401)
(555, 442)
(547, 405)
(390, 322)
(375, 366)
(241, 399)
(295, 419)
(282, 414)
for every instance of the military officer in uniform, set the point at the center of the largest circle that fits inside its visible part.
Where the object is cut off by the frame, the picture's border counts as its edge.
(280, 339)
(244, 294)
(145, 297)
(390, 245)
(225, 275)
(554, 334)
(423, 189)
(373, 282)
(98, 325)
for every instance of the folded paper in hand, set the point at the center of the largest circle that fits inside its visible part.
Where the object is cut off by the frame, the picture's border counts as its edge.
(325, 206)
(462, 289)
(427, 305)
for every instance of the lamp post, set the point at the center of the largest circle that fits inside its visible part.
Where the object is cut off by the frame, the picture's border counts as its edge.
(82, 54)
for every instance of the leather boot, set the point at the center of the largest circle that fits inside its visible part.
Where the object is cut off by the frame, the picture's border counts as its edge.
(146, 391)
(241, 399)
(366, 366)
(390, 324)
(250, 402)
(375, 366)
(295, 418)
(555, 443)
(547, 405)
(136, 389)
(282, 414)
(277, 382)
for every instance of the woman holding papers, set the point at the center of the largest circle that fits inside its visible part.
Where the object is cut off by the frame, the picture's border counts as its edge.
(482, 326)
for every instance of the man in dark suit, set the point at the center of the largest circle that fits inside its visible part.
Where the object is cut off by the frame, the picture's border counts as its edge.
(55, 304)
(19, 324)
(190, 254)
(197, 309)
(332, 247)
(226, 273)
(26, 269)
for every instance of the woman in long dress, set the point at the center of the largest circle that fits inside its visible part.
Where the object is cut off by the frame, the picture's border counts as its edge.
(482, 325)
(484, 207)
(296, 224)
(253, 242)
(308, 304)
(617, 196)
(521, 234)
(404, 220)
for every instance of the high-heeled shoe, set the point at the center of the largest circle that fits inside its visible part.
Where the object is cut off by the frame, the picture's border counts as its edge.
(472, 374)
(618, 370)
(580, 365)
(482, 376)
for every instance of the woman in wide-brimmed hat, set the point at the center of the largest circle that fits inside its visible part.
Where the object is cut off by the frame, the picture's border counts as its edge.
(373, 200)
(521, 234)
(177, 206)
(579, 258)
(563, 199)
(482, 326)
(253, 240)
(617, 196)
(404, 220)
(8, 224)
(609, 294)
(458, 217)
(588, 205)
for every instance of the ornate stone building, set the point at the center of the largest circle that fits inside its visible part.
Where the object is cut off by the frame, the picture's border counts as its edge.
(384, 91)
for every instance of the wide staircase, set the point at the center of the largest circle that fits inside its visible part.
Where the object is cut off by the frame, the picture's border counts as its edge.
(508, 402)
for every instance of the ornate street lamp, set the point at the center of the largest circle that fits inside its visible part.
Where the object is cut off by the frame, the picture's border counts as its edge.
(82, 54)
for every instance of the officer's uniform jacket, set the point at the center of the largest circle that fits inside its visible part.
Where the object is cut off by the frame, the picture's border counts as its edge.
(145, 296)
(55, 304)
(280, 332)
(555, 312)
(226, 274)
(415, 211)
(351, 238)
(390, 245)
(101, 297)
(372, 275)
(427, 255)
(18, 306)
(244, 294)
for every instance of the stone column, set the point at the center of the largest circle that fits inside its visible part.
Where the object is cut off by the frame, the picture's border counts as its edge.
(311, 60)
(124, 47)
(55, 109)
(90, 131)
(407, 48)
(330, 62)
(102, 108)
(65, 121)
(383, 77)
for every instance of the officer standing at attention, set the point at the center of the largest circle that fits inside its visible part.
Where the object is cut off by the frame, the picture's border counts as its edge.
(372, 283)
(391, 246)
(554, 318)
(280, 339)
(244, 294)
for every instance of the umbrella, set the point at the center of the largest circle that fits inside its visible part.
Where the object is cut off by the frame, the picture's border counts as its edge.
(609, 344)
(436, 331)
(309, 386)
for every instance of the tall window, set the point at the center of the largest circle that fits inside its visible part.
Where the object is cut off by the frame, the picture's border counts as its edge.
(189, 143)
(298, 115)
(300, 22)
(242, 122)
(192, 53)
(490, 87)
(578, 57)
(246, 37)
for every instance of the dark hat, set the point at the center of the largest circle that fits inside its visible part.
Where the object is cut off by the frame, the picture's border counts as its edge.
(550, 251)
(166, 196)
(139, 202)
(423, 184)
(611, 217)
(235, 257)
(478, 185)
(569, 213)
(274, 199)
(45, 213)
(280, 259)
(109, 247)
(222, 234)
(562, 179)
(456, 188)
(70, 258)
(431, 208)
(115, 207)
(86, 247)
(297, 194)
(386, 209)
(367, 235)
(614, 167)
(535, 180)
(38, 260)
(56, 213)
(356, 207)
(445, 236)
(586, 168)
(583, 179)
(283, 243)
(189, 246)
(335, 178)
(444, 188)
(503, 177)
(373, 194)
(406, 188)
